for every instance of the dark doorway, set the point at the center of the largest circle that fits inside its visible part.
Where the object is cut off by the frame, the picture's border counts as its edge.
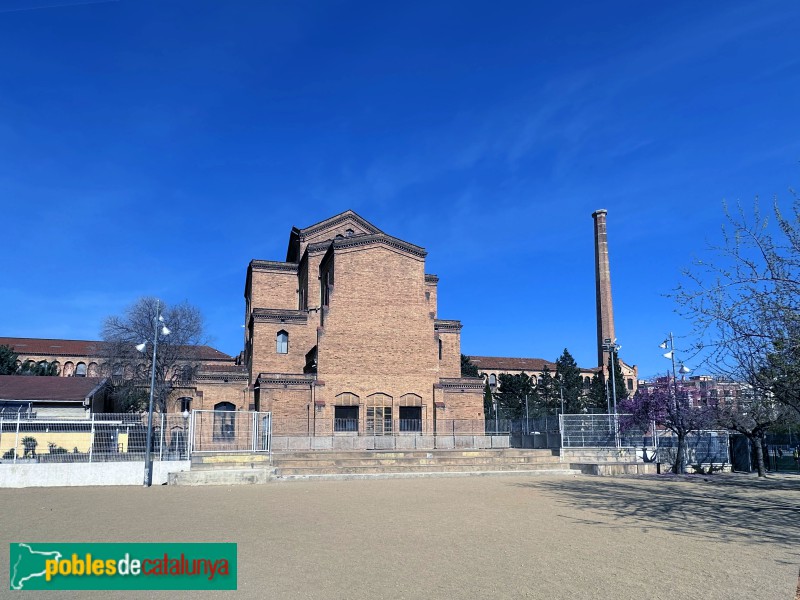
(410, 418)
(345, 418)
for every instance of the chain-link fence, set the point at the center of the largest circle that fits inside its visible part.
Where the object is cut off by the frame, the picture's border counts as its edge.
(703, 448)
(102, 437)
(602, 431)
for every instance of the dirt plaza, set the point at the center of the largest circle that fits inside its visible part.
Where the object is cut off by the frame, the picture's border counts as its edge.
(719, 537)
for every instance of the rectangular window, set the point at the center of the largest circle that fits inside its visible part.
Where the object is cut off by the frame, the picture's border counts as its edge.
(379, 420)
(345, 418)
(411, 418)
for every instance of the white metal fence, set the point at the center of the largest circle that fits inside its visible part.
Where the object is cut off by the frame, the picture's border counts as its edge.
(602, 431)
(230, 431)
(104, 437)
(702, 447)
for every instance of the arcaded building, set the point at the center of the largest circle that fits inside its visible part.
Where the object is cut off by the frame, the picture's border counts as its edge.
(344, 335)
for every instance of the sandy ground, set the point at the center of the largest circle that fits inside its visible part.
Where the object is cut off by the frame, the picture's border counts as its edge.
(475, 537)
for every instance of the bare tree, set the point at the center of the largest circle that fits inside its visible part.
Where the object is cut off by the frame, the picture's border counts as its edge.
(178, 352)
(744, 303)
(752, 417)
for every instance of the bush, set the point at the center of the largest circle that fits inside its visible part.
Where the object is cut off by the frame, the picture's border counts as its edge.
(8, 455)
(57, 450)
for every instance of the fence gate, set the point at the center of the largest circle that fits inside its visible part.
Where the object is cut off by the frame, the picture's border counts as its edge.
(230, 431)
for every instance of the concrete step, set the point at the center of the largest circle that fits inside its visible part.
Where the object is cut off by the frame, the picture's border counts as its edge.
(231, 458)
(384, 454)
(409, 475)
(229, 466)
(321, 462)
(220, 477)
(416, 468)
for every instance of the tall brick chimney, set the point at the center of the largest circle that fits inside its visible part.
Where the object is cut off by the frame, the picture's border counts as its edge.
(602, 270)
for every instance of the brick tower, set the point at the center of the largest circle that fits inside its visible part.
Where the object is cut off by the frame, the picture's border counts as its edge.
(602, 269)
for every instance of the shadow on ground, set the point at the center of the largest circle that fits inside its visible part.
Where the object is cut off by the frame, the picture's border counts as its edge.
(724, 508)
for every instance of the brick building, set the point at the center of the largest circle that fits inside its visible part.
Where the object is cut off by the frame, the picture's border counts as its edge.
(216, 380)
(704, 390)
(344, 335)
(491, 367)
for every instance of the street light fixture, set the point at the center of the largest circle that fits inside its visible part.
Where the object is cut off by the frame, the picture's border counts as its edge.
(162, 330)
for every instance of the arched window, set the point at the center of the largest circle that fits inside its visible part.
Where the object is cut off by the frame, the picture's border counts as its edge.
(69, 369)
(492, 379)
(80, 370)
(587, 381)
(57, 367)
(93, 370)
(224, 421)
(379, 414)
(116, 371)
(282, 342)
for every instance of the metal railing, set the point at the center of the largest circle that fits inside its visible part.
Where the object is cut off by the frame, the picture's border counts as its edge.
(602, 431)
(230, 431)
(293, 427)
(105, 437)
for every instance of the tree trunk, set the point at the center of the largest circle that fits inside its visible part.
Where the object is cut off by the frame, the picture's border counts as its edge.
(680, 457)
(756, 441)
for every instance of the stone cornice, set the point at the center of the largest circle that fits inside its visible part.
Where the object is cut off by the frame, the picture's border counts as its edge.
(431, 278)
(220, 377)
(348, 215)
(461, 384)
(278, 315)
(318, 247)
(447, 326)
(269, 380)
(379, 238)
(273, 266)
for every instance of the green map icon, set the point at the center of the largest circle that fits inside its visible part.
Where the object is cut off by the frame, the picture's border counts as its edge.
(27, 564)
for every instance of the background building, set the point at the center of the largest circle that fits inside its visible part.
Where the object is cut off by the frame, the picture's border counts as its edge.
(214, 379)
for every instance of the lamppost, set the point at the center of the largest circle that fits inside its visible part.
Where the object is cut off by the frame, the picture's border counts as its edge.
(162, 330)
(613, 349)
(185, 415)
(676, 406)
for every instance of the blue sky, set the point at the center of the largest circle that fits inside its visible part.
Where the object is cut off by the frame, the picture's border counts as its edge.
(154, 147)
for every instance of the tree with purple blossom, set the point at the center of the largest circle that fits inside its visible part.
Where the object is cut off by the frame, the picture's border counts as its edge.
(669, 407)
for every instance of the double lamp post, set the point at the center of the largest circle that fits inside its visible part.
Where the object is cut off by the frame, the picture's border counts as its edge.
(159, 329)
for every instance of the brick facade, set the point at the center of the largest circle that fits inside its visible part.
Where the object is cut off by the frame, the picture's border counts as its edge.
(362, 347)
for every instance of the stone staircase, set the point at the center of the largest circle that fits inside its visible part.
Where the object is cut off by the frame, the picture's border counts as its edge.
(235, 468)
(227, 469)
(351, 465)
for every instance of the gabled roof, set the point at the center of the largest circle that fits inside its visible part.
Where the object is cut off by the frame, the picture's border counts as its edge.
(348, 215)
(51, 389)
(500, 363)
(317, 230)
(37, 346)
(86, 348)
